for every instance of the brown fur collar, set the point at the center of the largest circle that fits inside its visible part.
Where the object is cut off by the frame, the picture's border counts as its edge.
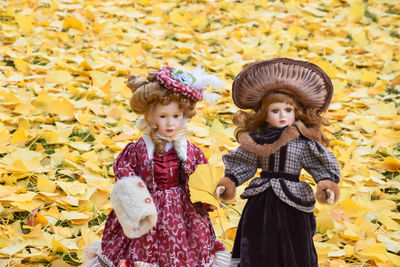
(291, 132)
(310, 133)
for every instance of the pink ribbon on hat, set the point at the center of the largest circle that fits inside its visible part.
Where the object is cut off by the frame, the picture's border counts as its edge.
(164, 76)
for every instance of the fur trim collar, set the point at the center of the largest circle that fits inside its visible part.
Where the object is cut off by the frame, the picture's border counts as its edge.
(291, 132)
(310, 133)
(180, 146)
(150, 147)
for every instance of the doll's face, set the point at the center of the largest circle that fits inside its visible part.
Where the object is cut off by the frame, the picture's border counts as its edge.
(280, 115)
(167, 118)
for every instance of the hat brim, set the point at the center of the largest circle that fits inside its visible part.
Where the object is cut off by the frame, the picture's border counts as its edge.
(305, 81)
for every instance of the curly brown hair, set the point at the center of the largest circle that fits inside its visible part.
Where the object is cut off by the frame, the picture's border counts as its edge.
(147, 93)
(256, 121)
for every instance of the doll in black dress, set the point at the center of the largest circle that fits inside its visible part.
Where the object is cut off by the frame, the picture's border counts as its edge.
(280, 136)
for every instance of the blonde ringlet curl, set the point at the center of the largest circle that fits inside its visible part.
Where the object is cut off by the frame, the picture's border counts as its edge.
(255, 121)
(147, 93)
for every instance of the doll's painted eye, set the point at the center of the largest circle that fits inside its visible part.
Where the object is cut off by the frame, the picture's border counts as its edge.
(288, 110)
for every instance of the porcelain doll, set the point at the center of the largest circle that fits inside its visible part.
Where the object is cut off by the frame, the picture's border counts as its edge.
(153, 222)
(281, 136)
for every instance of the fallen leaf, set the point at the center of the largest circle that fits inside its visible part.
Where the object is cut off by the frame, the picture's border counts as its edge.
(58, 76)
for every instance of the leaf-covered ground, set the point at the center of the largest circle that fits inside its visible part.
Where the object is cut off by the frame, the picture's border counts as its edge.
(64, 113)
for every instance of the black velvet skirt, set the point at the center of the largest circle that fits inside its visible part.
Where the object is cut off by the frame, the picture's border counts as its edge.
(273, 234)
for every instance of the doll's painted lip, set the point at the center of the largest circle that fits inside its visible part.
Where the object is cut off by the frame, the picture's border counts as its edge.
(170, 130)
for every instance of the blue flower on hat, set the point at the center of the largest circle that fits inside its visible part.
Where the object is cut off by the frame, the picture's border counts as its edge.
(183, 76)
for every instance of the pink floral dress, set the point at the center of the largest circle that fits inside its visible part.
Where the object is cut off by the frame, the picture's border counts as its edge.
(183, 235)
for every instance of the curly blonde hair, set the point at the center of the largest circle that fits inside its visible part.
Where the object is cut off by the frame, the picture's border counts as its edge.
(256, 121)
(147, 93)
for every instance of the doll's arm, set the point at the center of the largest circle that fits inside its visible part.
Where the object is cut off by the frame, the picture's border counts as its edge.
(321, 164)
(130, 198)
(240, 166)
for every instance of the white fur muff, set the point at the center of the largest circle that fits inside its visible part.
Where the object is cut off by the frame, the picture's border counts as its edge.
(133, 206)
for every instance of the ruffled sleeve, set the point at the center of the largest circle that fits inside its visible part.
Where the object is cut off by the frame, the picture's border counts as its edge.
(320, 163)
(240, 165)
(125, 164)
(195, 157)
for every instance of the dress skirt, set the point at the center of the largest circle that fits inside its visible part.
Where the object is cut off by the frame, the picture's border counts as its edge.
(273, 234)
(183, 237)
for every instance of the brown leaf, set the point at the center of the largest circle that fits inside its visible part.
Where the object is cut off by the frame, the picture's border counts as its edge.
(31, 217)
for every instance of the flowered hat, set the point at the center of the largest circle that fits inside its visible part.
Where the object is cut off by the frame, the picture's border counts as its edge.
(308, 83)
(190, 84)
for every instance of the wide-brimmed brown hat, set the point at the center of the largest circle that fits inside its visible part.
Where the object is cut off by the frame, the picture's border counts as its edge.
(307, 82)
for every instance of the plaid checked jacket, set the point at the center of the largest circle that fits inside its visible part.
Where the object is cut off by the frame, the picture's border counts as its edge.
(281, 163)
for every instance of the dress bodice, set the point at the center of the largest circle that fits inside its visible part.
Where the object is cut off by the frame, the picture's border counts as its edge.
(166, 170)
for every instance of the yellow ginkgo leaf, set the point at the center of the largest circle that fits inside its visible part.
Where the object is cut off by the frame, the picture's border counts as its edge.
(375, 252)
(4, 136)
(134, 51)
(74, 23)
(369, 76)
(46, 185)
(394, 259)
(58, 76)
(25, 23)
(203, 182)
(21, 65)
(34, 233)
(56, 246)
(20, 135)
(14, 248)
(351, 209)
(324, 221)
(62, 106)
(391, 164)
(10, 99)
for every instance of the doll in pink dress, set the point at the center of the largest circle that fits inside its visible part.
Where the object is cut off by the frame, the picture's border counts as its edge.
(153, 222)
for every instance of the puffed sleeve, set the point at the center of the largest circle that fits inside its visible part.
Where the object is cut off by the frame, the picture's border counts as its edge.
(125, 164)
(240, 165)
(192, 157)
(320, 163)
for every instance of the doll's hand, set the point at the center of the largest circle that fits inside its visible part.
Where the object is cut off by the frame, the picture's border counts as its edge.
(219, 191)
(226, 189)
(180, 134)
(330, 196)
(327, 192)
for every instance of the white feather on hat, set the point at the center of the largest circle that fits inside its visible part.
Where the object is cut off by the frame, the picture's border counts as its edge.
(203, 79)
